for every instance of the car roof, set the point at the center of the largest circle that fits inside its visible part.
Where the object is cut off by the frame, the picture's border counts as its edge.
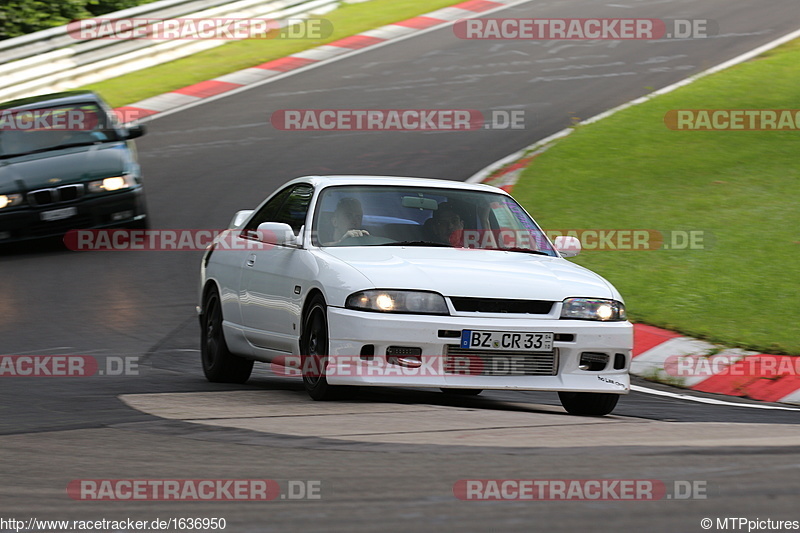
(400, 181)
(52, 99)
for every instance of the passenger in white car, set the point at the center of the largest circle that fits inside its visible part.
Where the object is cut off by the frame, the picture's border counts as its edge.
(445, 225)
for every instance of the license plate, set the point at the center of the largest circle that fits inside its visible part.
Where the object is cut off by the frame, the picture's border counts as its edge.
(59, 214)
(507, 340)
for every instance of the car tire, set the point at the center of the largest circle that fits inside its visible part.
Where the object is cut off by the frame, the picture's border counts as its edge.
(588, 403)
(219, 364)
(462, 392)
(314, 351)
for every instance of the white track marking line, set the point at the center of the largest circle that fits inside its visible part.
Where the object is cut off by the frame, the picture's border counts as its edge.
(711, 401)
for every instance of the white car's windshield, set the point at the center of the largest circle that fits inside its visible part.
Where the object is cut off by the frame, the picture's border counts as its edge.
(380, 215)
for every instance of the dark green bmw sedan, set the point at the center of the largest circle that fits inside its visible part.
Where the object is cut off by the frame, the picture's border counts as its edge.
(66, 163)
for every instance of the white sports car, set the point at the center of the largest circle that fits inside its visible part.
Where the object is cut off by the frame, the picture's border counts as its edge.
(370, 280)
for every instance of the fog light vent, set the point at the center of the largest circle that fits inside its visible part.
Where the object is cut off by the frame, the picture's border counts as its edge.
(403, 350)
(408, 356)
(593, 361)
(619, 361)
(367, 352)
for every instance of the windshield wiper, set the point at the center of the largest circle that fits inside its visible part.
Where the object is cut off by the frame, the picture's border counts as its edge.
(66, 145)
(416, 243)
(526, 250)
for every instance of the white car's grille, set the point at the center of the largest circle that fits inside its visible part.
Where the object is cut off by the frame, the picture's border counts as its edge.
(462, 361)
(499, 305)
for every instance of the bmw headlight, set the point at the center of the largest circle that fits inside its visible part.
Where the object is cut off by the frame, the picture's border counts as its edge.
(10, 200)
(396, 301)
(593, 309)
(114, 183)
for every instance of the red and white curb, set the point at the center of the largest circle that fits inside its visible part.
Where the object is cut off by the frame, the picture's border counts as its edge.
(664, 356)
(259, 74)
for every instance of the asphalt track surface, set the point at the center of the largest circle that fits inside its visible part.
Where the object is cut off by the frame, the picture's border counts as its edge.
(203, 164)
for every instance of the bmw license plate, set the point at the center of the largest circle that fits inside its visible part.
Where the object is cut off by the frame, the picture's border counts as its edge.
(59, 214)
(507, 340)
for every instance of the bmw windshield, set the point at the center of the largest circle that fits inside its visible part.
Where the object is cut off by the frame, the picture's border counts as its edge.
(27, 131)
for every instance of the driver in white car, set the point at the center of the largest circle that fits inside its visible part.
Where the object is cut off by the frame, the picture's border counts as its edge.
(346, 221)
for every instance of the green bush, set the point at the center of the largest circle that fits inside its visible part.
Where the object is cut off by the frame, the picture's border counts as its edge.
(19, 17)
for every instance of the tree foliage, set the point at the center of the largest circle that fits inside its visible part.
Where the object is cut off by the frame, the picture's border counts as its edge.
(18, 17)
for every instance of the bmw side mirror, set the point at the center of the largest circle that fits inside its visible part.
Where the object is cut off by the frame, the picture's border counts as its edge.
(133, 132)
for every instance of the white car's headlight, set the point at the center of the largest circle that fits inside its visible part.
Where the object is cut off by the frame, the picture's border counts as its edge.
(396, 301)
(114, 183)
(593, 309)
(10, 200)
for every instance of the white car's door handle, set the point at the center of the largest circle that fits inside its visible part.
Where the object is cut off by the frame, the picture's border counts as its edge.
(251, 260)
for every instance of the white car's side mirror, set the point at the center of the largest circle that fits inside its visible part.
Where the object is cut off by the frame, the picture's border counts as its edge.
(276, 233)
(567, 246)
(239, 218)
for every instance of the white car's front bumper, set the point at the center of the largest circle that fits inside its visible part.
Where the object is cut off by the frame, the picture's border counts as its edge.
(350, 331)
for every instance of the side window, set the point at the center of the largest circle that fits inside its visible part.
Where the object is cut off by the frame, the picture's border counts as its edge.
(294, 209)
(288, 206)
(268, 211)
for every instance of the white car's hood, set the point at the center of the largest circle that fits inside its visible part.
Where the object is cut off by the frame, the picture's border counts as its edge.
(475, 273)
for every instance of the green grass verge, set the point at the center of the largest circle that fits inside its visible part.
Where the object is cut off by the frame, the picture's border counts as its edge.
(631, 171)
(350, 19)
